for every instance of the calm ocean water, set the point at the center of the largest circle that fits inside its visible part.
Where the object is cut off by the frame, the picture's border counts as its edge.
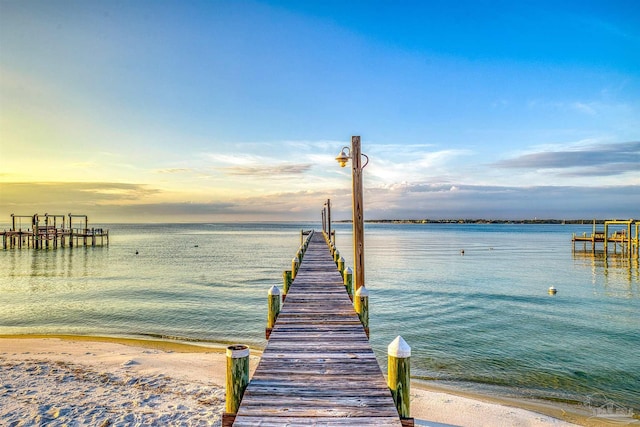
(483, 321)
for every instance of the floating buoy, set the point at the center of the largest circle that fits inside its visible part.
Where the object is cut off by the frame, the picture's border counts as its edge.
(462, 252)
(136, 252)
(552, 290)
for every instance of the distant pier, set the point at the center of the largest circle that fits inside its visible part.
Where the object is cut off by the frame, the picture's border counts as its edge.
(624, 235)
(52, 231)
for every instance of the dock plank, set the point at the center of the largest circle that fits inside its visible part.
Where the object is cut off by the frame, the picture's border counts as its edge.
(318, 367)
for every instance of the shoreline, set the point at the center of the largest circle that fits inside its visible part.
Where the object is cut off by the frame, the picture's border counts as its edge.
(432, 404)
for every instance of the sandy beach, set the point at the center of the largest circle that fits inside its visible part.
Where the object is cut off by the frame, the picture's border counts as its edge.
(95, 381)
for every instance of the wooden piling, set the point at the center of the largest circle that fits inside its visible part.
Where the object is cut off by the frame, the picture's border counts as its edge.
(286, 283)
(341, 267)
(399, 376)
(237, 381)
(361, 305)
(348, 282)
(294, 267)
(273, 309)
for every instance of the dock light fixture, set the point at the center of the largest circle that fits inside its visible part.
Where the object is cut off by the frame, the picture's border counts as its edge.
(344, 157)
(355, 155)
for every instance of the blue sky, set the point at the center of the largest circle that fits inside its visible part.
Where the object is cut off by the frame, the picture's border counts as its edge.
(235, 110)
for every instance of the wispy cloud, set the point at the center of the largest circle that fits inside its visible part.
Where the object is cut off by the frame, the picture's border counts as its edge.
(412, 164)
(592, 160)
(586, 108)
(69, 194)
(274, 171)
(174, 170)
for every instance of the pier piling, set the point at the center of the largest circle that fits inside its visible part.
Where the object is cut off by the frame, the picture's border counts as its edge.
(399, 374)
(273, 309)
(361, 305)
(348, 282)
(236, 381)
(286, 279)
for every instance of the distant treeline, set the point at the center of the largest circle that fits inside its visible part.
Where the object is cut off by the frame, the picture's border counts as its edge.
(480, 221)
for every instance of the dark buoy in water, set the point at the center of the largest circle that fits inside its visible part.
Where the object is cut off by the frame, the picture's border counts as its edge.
(461, 251)
(136, 252)
(552, 290)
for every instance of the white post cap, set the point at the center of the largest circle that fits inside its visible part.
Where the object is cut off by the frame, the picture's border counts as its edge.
(237, 351)
(399, 348)
(341, 259)
(295, 260)
(362, 292)
(348, 270)
(274, 290)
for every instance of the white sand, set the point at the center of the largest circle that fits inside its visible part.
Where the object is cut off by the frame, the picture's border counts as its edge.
(55, 382)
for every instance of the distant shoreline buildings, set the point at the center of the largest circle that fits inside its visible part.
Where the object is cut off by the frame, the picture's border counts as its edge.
(483, 221)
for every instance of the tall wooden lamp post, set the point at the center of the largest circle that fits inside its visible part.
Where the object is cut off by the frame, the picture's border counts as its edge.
(355, 155)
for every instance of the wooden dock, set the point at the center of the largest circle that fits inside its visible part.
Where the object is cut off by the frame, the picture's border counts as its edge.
(318, 367)
(50, 231)
(625, 237)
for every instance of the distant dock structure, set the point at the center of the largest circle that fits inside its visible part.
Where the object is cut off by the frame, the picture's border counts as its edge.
(624, 235)
(52, 231)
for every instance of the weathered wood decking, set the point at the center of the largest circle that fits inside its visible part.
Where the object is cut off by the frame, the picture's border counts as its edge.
(318, 367)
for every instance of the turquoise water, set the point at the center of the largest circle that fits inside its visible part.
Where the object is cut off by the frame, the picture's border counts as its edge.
(483, 321)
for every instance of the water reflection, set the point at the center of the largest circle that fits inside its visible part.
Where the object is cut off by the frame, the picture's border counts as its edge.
(613, 270)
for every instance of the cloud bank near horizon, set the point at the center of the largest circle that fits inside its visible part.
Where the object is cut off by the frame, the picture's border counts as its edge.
(109, 202)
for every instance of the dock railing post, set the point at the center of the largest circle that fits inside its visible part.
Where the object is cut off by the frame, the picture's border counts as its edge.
(341, 267)
(348, 282)
(237, 381)
(286, 279)
(273, 309)
(399, 377)
(294, 267)
(361, 305)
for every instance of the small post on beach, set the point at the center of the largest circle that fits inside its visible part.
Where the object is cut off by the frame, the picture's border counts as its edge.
(294, 267)
(348, 282)
(399, 376)
(237, 381)
(361, 305)
(286, 279)
(273, 310)
(341, 267)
